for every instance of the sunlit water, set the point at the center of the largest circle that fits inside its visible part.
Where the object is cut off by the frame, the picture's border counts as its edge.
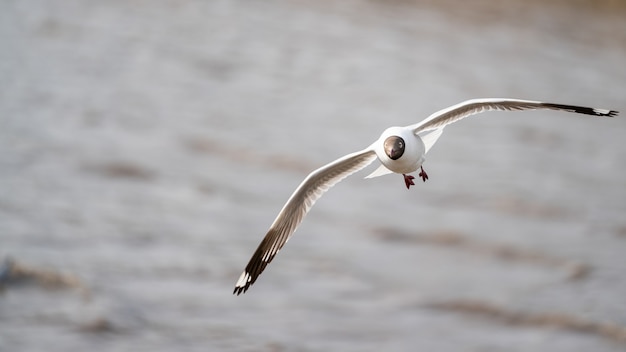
(146, 147)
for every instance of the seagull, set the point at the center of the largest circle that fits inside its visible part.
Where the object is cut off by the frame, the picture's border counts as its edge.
(400, 150)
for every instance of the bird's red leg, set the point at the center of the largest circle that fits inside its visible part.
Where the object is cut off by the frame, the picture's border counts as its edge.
(408, 181)
(423, 174)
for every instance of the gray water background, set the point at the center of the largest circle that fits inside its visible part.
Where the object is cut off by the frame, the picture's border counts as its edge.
(146, 146)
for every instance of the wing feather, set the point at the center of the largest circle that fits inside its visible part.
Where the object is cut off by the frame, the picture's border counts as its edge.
(300, 202)
(470, 107)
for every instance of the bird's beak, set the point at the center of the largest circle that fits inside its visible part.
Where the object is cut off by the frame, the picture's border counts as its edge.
(395, 153)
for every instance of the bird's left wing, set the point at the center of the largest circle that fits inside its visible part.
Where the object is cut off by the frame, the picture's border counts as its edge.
(300, 202)
(470, 107)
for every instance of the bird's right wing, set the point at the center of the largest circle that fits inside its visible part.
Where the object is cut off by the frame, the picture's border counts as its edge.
(309, 191)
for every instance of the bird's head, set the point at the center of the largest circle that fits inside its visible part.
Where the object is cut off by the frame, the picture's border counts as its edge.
(394, 147)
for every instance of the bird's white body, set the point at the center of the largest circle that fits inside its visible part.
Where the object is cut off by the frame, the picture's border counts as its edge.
(412, 159)
(400, 150)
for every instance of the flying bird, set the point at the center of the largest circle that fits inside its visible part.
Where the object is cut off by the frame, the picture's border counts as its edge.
(400, 150)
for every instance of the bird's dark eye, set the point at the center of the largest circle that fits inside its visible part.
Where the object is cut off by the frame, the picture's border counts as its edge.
(394, 147)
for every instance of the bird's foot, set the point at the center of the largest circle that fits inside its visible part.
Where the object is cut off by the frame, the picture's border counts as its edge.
(408, 180)
(423, 174)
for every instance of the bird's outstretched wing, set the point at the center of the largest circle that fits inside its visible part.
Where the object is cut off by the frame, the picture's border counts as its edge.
(457, 112)
(309, 191)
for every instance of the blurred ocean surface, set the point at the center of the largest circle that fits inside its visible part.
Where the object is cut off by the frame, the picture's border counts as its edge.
(146, 147)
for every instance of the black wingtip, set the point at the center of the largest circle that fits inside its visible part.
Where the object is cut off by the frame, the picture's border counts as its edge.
(244, 282)
(240, 289)
(583, 110)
